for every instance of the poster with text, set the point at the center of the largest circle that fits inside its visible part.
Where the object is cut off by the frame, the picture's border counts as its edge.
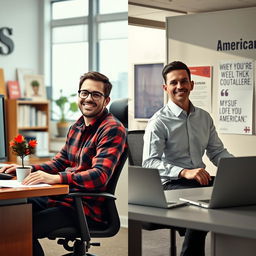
(201, 95)
(235, 94)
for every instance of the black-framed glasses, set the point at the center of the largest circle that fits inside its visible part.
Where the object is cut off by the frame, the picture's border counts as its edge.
(83, 94)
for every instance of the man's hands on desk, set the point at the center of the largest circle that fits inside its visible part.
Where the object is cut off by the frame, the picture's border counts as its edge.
(199, 174)
(34, 177)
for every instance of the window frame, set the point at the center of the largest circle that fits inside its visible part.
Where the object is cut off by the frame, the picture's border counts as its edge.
(93, 20)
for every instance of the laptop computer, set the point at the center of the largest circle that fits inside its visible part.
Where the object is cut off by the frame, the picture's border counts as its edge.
(234, 185)
(145, 188)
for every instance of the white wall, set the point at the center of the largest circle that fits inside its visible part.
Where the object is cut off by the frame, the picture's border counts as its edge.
(23, 18)
(193, 38)
(146, 45)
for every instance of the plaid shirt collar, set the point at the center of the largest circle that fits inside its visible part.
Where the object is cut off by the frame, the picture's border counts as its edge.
(95, 122)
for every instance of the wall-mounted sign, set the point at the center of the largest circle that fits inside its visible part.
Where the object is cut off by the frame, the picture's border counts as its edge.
(201, 95)
(235, 96)
(236, 45)
(6, 43)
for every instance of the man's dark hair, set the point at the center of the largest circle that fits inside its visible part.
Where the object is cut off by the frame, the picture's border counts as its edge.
(96, 76)
(175, 65)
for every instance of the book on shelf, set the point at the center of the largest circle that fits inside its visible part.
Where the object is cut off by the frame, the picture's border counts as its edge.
(30, 116)
(13, 89)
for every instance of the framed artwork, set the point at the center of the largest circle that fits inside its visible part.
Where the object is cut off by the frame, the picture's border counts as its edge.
(34, 87)
(21, 72)
(148, 91)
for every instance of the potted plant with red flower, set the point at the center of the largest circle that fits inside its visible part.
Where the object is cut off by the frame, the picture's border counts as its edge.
(22, 148)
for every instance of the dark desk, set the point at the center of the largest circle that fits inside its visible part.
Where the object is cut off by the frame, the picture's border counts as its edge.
(235, 226)
(16, 217)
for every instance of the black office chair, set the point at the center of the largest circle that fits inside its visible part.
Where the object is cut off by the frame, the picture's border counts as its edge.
(119, 108)
(81, 236)
(135, 150)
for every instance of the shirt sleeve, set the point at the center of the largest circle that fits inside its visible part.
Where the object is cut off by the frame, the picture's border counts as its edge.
(110, 146)
(59, 163)
(153, 149)
(215, 149)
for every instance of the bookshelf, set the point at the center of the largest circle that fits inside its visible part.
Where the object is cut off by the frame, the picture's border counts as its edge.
(26, 117)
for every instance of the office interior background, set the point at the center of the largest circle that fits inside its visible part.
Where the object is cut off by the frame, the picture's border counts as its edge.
(63, 39)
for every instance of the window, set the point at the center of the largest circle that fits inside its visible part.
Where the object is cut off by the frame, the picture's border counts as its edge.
(113, 55)
(83, 41)
(69, 9)
(113, 6)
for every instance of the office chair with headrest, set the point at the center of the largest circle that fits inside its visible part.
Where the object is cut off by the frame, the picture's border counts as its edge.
(119, 108)
(135, 150)
(81, 236)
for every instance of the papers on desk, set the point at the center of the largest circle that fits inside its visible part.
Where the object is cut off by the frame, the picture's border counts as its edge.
(16, 184)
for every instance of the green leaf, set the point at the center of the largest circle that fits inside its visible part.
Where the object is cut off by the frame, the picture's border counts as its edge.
(73, 107)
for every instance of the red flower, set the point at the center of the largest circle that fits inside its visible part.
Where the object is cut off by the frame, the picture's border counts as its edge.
(22, 147)
(32, 143)
(19, 138)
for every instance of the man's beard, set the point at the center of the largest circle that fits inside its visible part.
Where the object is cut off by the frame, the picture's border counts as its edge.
(92, 114)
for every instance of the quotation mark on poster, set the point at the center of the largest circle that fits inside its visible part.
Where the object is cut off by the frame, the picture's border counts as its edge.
(224, 92)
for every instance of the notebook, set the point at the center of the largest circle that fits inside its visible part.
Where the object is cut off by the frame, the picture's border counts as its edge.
(145, 188)
(234, 185)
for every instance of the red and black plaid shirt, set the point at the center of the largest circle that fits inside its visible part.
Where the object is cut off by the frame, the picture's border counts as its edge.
(87, 160)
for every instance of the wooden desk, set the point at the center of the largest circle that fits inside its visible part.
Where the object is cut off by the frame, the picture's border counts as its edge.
(16, 217)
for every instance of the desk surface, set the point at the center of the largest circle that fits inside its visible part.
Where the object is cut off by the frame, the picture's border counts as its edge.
(240, 221)
(15, 193)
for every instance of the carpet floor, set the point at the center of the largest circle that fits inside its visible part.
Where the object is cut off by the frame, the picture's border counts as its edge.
(156, 243)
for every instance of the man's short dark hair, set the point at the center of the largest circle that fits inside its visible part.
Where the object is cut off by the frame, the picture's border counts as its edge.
(175, 65)
(96, 76)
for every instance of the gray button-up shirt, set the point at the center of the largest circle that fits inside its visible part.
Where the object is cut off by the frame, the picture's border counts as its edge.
(175, 140)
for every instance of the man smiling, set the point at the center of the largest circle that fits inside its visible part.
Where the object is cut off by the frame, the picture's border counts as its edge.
(176, 138)
(92, 98)
(94, 145)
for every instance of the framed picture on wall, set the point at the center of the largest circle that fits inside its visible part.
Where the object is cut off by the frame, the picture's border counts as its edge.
(21, 72)
(34, 87)
(148, 91)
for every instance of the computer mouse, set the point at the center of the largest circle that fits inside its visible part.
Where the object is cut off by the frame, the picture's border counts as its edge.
(5, 176)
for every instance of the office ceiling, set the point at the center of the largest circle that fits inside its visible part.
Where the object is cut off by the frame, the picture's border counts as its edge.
(159, 9)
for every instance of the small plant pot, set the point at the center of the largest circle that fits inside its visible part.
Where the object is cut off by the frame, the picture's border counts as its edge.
(62, 128)
(22, 172)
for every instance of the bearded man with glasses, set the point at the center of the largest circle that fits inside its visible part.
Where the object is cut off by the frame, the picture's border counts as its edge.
(94, 145)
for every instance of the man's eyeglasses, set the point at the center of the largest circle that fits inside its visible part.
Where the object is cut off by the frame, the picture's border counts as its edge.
(83, 94)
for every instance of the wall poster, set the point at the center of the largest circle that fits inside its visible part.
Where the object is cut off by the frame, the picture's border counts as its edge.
(235, 93)
(148, 90)
(201, 95)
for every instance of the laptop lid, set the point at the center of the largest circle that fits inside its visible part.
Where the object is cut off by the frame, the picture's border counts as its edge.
(234, 184)
(145, 187)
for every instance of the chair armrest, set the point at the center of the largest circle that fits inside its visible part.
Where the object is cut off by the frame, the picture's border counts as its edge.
(79, 194)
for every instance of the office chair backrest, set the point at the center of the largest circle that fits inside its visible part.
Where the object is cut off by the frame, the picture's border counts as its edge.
(111, 216)
(135, 147)
(119, 108)
(111, 187)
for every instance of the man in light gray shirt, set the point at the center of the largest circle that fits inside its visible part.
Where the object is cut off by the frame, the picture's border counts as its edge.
(175, 140)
